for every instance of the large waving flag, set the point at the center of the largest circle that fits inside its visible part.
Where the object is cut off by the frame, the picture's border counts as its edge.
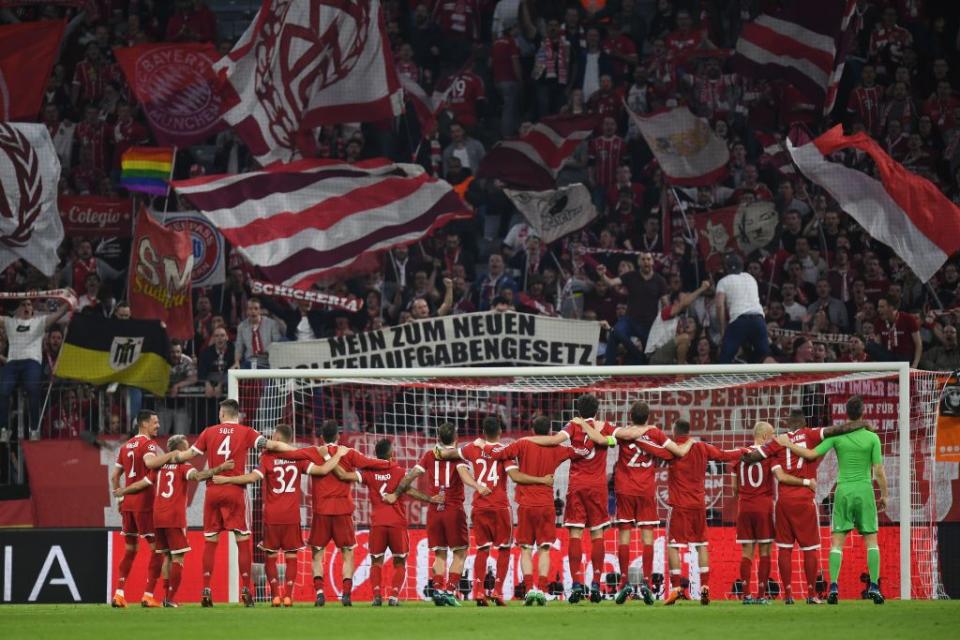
(27, 53)
(688, 150)
(305, 63)
(804, 43)
(175, 85)
(30, 225)
(902, 210)
(305, 220)
(534, 160)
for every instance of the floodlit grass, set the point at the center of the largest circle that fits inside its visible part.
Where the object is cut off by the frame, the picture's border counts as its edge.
(848, 621)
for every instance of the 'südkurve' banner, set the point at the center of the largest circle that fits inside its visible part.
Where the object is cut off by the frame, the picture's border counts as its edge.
(470, 339)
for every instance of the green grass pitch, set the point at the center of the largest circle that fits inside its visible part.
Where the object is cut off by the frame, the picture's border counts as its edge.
(848, 621)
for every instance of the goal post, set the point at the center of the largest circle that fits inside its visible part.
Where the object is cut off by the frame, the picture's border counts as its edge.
(728, 399)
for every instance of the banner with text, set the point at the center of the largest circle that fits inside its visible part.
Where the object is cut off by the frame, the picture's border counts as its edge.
(470, 339)
(96, 216)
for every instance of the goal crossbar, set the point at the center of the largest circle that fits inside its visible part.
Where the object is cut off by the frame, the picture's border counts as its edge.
(899, 369)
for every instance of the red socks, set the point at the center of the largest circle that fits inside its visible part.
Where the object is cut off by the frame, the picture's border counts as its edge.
(273, 580)
(176, 572)
(785, 566)
(480, 570)
(648, 563)
(597, 557)
(126, 563)
(291, 575)
(399, 576)
(763, 575)
(623, 555)
(503, 568)
(376, 577)
(209, 557)
(746, 568)
(245, 562)
(153, 573)
(811, 569)
(704, 577)
(575, 556)
(347, 586)
(453, 582)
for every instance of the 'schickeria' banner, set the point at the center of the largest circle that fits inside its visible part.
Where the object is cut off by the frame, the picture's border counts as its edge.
(470, 339)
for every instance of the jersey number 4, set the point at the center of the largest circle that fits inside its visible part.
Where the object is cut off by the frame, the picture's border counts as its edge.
(224, 448)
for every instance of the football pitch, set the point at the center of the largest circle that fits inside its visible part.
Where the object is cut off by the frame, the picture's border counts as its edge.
(848, 621)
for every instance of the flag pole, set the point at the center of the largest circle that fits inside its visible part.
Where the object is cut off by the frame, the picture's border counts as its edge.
(690, 235)
(166, 199)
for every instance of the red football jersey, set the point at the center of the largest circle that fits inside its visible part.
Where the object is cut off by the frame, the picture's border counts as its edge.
(635, 471)
(441, 478)
(755, 482)
(381, 482)
(228, 441)
(488, 472)
(331, 496)
(590, 470)
(281, 488)
(130, 459)
(170, 496)
(686, 475)
(533, 460)
(779, 456)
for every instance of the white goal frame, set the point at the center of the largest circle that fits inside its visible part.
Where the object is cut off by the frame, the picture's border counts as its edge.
(900, 369)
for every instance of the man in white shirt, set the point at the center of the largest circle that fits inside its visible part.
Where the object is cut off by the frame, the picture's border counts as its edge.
(739, 298)
(24, 363)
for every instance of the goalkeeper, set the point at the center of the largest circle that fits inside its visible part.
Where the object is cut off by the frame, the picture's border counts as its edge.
(854, 506)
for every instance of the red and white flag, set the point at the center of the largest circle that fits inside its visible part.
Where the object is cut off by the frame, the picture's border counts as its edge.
(803, 43)
(687, 149)
(902, 210)
(158, 284)
(306, 63)
(177, 87)
(534, 160)
(27, 53)
(309, 219)
(30, 225)
(422, 105)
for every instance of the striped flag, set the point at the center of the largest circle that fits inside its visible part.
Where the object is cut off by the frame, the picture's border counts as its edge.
(805, 43)
(146, 169)
(902, 210)
(534, 160)
(309, 219)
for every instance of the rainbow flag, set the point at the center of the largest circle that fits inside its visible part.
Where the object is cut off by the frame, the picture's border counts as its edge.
(146, 169)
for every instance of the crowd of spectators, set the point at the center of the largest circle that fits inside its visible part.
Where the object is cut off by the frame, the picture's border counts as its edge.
(829, 291)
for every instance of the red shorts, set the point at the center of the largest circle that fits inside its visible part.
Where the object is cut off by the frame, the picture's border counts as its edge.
(797, 521)
(393, 538)
(137, 523)
(637, 510)
(536, 525)
(225, 513)
(172, 540)
(754, 526)
(339, 529)
(687, 527)
(493, 527)
(586, 507)
(281, 537)
(448, 529)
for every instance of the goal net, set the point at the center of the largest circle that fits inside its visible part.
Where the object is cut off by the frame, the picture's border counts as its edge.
(722, 404)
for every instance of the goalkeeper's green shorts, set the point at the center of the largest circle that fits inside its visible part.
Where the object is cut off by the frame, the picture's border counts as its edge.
(854, 507)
